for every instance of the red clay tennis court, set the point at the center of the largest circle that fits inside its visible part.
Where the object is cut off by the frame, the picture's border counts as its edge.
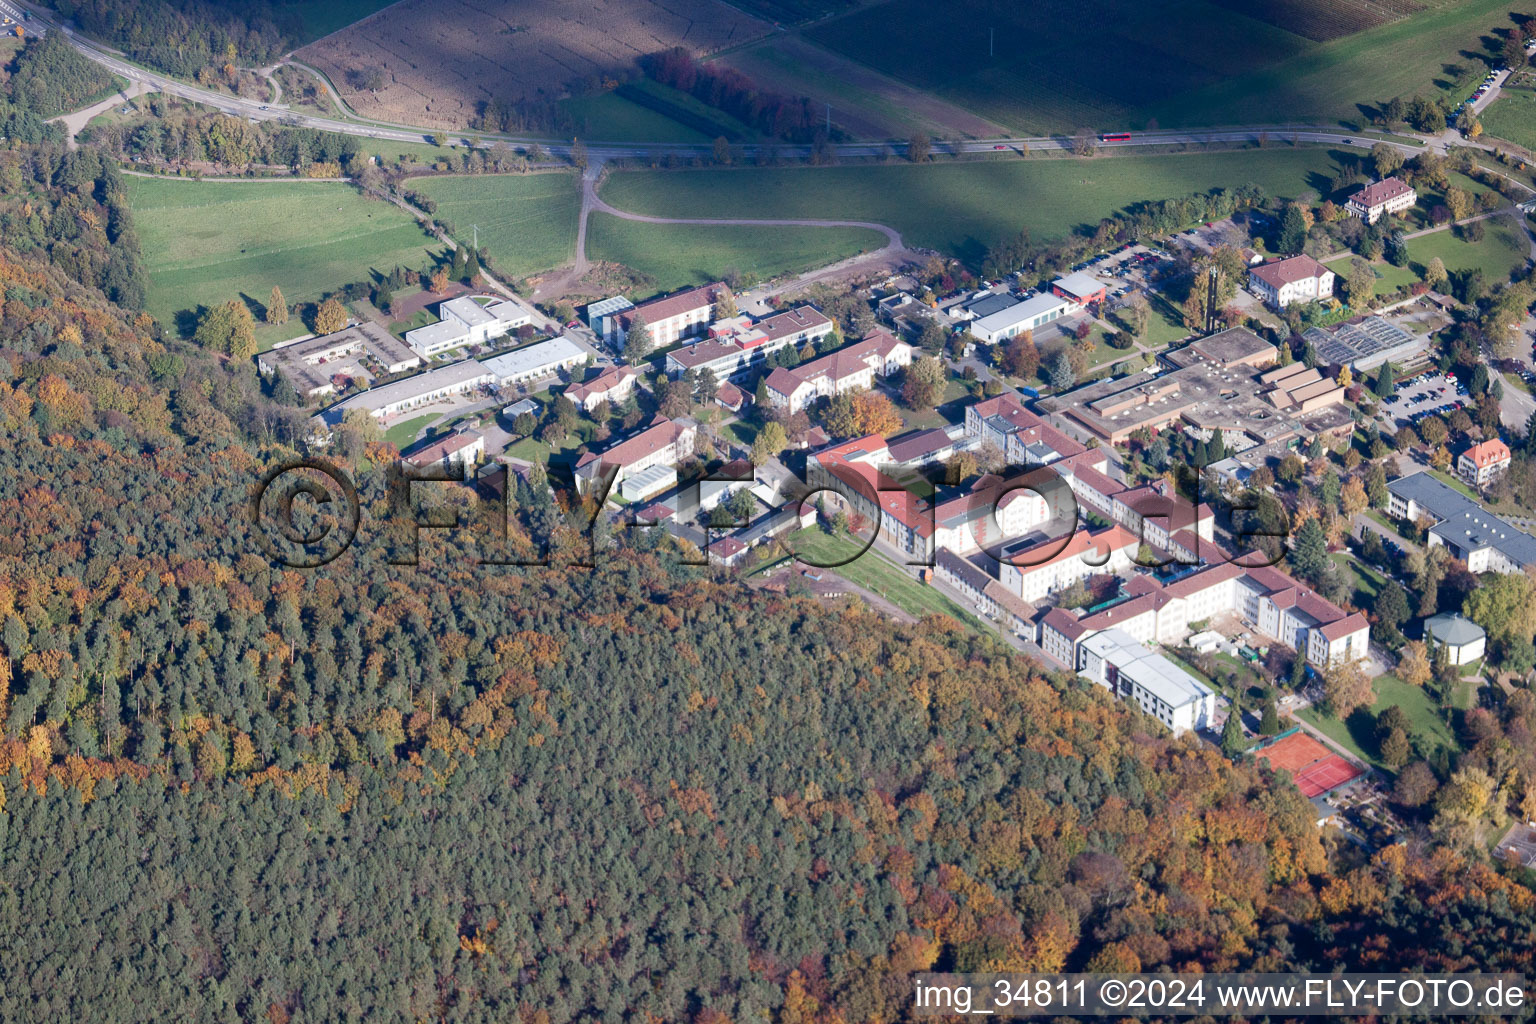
(1315, 768)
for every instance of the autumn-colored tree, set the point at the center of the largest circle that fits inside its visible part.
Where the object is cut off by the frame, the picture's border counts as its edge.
(1353, 497)
(875, 413)
(228, 328)
(768, 443)
(1020, 357)
(330, 317)
(439, 281)
(1346, 688)
(1413, 667)
(924, 384)
(277, 307)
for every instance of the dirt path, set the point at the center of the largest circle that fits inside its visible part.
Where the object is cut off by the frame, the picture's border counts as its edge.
(893, 254)
(74, 122)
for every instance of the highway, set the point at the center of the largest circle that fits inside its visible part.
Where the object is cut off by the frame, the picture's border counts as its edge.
(256, 110)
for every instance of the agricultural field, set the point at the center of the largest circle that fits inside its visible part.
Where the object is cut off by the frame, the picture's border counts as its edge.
(527, 222)
(647, 111)
(208, 242)
(862, 102)
(439, 60)
(1167, 63)
(674, 256)
(963, 208)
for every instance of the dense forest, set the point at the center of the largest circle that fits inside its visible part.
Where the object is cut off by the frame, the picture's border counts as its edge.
(184, 37)
(373, 791)
(70, 209)
(173, 133)
(44, 78)
(49, 77)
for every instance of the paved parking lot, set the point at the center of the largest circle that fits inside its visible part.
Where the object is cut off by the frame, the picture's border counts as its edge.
(1428, 393)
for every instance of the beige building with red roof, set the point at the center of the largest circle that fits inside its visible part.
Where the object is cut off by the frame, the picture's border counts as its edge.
(1376, 200)
(1483, 463)
(664, 443)
(851, 368)
(1265, 599)
(1282, 283)
(614, 384)
(672, 317)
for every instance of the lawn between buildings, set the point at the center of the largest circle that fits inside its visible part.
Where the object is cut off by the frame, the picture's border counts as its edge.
(961, 207)
(1357, 734)
(208, 242)
(872, 571)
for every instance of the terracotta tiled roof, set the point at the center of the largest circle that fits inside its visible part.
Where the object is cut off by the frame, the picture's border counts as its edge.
(1288, 271)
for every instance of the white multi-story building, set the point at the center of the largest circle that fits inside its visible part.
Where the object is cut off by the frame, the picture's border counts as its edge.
(665, 443)
(464, 322)
(740, 343)
(1267, 600)
(1117, 662)
(851, 368)
(1296, 279)
(613, 385)
(670, 318)
(1376, 200)
(1037, 569)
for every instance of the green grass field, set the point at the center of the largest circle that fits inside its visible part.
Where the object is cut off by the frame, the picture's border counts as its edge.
(403, 434)
(1513, 115)
(962, 208)
(1430, 729)
(1503, 249)
(609, 117)
(526, 221)
(873, 572)
(677, 255)
(208, 242)
(1172, 62)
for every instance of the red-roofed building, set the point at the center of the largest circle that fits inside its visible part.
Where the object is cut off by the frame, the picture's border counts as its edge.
(1023, 437)
(664, 443)
(727, 551)
(673, 317)
(1037, 569)
(614, 384)
(850, 368)
(1296, 279)
(731, 397)
(740, 343)
(1389, 195)
(461, 447)
(1482, 463)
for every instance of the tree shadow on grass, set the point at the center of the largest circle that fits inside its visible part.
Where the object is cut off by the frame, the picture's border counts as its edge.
(186, 320)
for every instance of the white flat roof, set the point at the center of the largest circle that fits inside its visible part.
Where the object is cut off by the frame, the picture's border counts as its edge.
(507, 311)
(455, 374)
(1152, 672)
(441, 333)
(545, 355)
(467, 310)
(1080, 283)
(1020, 312)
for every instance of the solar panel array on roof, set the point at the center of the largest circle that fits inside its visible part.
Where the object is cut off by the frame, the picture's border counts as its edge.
(1352, 342)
